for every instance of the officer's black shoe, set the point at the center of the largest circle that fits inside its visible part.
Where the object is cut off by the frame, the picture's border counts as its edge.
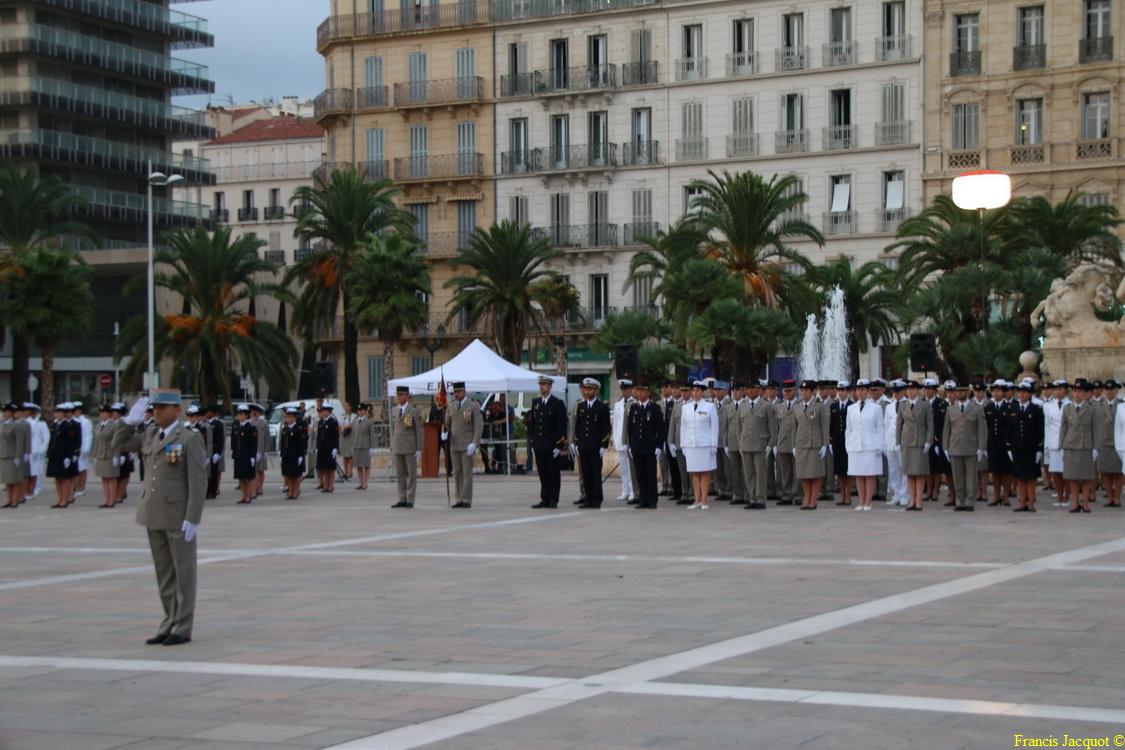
(664, 493)
(176, 640)
(157, 639)
(632, 502)
(461, 505)
(539, 505)
(401, 504)
(684, 502)
(756, 506)
(580, 501)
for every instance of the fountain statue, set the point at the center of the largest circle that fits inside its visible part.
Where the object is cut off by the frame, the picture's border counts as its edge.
(824, 352)
(1077, 342)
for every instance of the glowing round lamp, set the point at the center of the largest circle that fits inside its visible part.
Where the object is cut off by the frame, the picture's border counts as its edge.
(982, 189)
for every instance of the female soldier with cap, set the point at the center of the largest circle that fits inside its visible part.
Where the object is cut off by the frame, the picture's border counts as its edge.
(699, 439)
(292, 448)
(244, 453)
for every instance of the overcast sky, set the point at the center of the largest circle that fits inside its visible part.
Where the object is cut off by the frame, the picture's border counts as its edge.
(262, 48)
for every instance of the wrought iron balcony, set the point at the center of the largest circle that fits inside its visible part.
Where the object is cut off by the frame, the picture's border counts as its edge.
(445, 244)
(576, 80)
(691, 69)
(580, 235)
(444, 91)
(839, 138)
(220, 215)
(274, 213)
(792, 58)
(840, 222)
(840, 53)
(742, 63)
(1095, 49)
(963, 159)
(332, 102)
(300, 208)
(248, 214)
(791, 141)
(1030, 153)
(639, 73)
(402, 20)
(636, 231)
(892, 48)
(368, 170)
(444, 167)
(1029, 57)
(637, 153)
(592, 156)
(691, 149)
(521, 162)
(742, 144)
(964, 63)
(516, 10)
(518, 84)
(99, 153)
(892, 133)
(889, 219)
(372, 97)
(277, 257)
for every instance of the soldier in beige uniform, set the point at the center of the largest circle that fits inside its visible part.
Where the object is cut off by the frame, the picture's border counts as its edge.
(14, 452)
(810, 443)
(730, 437)
(722, 401)
(257, 415)
(784, 453)
(406, 445)
(757, 437)
(171, 507)
(674, 444)
(363, 443)
(1080, 436)
(462, 428)
(1109, 462)
(107, 460)
(965, 441)
(915, 435)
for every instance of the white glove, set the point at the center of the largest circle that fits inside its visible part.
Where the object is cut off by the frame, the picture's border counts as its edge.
(260, 455)
(982, 455)
(574, 450)
(300, 460)
(371, 451)
(136, 415)
(65, 463)
(417, 455)
(27, 458)
(189, 530)
(774, 451)
(1095, 454)
(831, 449)
(794, 451)
(823, 451)
(926, 448)
(253, 461)
(215, 458)
(471, 450)
(1038, 457)
(18, 460)
(334, 452)
(946, 455)
(659, 453)
(1013, 458)
(117, 460)
(444, 436)
(671, 450)
(601, 452)
(727, 451)
(555, 453)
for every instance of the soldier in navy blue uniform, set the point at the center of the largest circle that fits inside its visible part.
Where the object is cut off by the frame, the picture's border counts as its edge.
(1024, 438)
(940, 467)
(293, 447)
(996, 414)
(837, 429)
(547, 426)
(218, 440)
(646, 442)
(589, 437)
(327, 448)
(244, 453)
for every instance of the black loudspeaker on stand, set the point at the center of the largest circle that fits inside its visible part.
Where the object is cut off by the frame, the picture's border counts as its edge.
(324, 378)
(625, 361)
(923, 352)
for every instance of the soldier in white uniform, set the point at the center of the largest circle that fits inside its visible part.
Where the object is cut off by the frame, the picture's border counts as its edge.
(892, 452)
(40, 438)
(87, 446)
(621, 440)
(865, 441)
(1052, 449)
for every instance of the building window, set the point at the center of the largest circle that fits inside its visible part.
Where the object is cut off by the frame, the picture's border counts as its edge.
(248, 199)
(599, 232)
(840, 49)
(1097, 19)
(642, 292)
(795, 189)
(1029, 122)
(376, 379)
(560, 141)
(1094, 199)
(840, 132)
(597, 135)
(420, 363)
(692, 61)
(419, 151)
(893, 44)
(792, 136)
(517, 210)
(1031, 26)
(965, 59)
(599, 296)
(220, 201)
(641, 67)
(743, 139)
(560, 218)
(692, 194)
(1095, 116)
(275, 197)
(421, 214)
(560, 64)
(275, 241)
(894, 200)
(467, 148)
(642, 225)
(517, 145)
(792, 54)
(966, 127)
(376, 162)
(416, 66)
(692, 145)
(841, 218)
(742, 58)
(641, 148)
(466, 221)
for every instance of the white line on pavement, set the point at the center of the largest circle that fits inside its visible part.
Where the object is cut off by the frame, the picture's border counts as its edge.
(530, 704)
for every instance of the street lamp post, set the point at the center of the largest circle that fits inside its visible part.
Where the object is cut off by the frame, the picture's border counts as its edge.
(982, 190)
(155, 179)
(433, 344)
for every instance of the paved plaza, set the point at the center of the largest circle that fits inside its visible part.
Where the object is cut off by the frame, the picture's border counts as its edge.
(336, 622)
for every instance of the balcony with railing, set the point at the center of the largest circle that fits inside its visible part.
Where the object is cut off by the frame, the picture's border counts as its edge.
(414, 94)
(889, 219)
(1029, 153)
(892, 133)
(582, 79)
(445, 244)
(840, 222)
(839, 138)
(135, 206)
(1094, 149)
(691, 69)
(519, 10)
(742, 63)
(964, 158)
(641, 73)
(1095, 49)
(791, 141)
(579, 235)
(293, 170)
(248, 214)
(411, 18)
(576, 158)
(220, 215)
(521, 162)
(332, 102)
(273, 213)
(889, 48)
(55, 145)
(1029, 57)
(742, 145)
(964, 63)
(372, 97)
(791, 58)
(277, 257)
(840, 53)
(368, 170)
(517, 84)
(640, 153)
(637, 231)
(185, 29)
(691, 149)
(425, 168)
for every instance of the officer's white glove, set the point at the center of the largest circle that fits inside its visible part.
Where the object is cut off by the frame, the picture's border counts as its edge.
(189, 530)
(982, 455)
(117, 460)
(215, 458)
(18, 460)
(1011, 457)
(444, 436)
(555, 453)
(574, 450)
(417, 455)
(823, 451)
(27, 458)
(1096, 454)
(794, 451)
(136, 415)
(1038, 457)
(334, 452)
(300, 460)
(601, 452)
(727, 451)
(774, 451)
(946, 455)
(658, 454)
(471, 450)
(926, 448)
(65, 463)
(672, 450)
(253, 461)
(831, 449)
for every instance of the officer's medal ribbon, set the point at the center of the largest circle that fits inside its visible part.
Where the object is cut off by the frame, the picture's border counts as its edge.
(173, 453)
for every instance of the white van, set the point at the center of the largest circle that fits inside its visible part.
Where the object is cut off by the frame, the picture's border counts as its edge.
(278, 413)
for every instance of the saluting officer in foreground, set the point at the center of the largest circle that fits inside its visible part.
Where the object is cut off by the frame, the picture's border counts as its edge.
(463, 427)
(171, 508)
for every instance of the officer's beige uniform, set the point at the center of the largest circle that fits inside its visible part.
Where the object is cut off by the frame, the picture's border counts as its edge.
(464, 424)
(674, 439)
(786, 461)
(347, 435)
(1079, 435)
(11, 453)
(107, 461)
(363, 440)
(730, 438)
(757, 435)
(965, 432)
(406, 440)
(175, 486)
(1108, 460)
(310, 459)
(915, 433)
(810, 436)
(722, 481)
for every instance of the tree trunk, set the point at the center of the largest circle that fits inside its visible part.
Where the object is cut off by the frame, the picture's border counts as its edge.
(47, 376)
(21, 368)
(853, 357)
(351, 356)
(388, 375)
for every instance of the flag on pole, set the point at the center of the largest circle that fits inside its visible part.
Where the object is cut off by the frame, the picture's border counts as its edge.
(441, 399)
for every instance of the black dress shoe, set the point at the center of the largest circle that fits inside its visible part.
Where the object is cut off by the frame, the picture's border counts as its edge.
(755, 506)
(580, 501)
(683, 502)
(176, 640)
(632, 502)
(590, 506)
(401, 504)
(642, 506)
(664, 493)
(461, 505)
(157, 639)
(540, 505)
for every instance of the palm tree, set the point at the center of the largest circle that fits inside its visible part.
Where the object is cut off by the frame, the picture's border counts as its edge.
(341, 212)
(388, 282)
(504, 262)
(558, 299)
(690, 290)
(871, 302)
(663, 254)
(744, 222)
(1070, 229)
(47, 300)
(32, 211)
(215, 334)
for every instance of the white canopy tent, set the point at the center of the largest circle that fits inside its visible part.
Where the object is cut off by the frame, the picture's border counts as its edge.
(482, 370)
